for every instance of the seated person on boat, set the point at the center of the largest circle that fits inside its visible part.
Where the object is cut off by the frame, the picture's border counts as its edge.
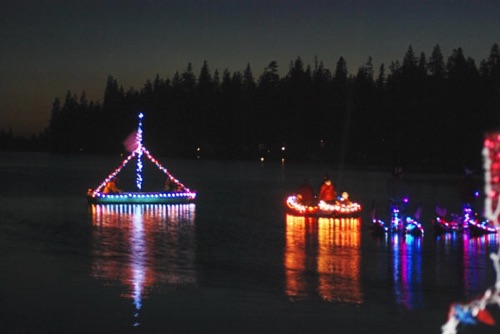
(172, 186)
(327, 192)
(112, 187)
(305, 193)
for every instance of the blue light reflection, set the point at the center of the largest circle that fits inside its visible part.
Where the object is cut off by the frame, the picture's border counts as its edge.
(407, 270)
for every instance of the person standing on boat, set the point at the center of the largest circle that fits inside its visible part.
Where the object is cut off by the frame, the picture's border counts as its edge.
(397, 189)
(327, 191)
(305, 193)
(468, 188)
(111, 187)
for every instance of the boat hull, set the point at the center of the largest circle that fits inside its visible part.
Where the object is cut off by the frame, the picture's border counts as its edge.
(378, 227)
(412, 227)
(442, 226)
(478, 229)
(143, 198)
(338, 209)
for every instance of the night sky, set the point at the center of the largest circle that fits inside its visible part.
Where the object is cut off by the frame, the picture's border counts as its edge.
(49, 47)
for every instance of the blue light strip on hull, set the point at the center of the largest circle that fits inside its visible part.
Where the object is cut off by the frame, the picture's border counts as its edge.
(160, 198)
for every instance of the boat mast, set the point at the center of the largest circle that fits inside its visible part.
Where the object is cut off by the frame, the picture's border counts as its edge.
(139, 150)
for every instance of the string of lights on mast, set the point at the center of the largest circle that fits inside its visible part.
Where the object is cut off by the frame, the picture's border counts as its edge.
(181, 194)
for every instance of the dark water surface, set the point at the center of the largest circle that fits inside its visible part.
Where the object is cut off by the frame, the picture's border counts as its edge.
(234, 262)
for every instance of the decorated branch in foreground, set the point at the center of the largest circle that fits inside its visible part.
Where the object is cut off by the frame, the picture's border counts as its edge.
(479, 309)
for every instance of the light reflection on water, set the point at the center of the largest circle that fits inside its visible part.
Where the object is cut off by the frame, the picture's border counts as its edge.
(141, 246)
(407, 270)
(323, 257)
(474, 249)
(241, 228)
(459, 254)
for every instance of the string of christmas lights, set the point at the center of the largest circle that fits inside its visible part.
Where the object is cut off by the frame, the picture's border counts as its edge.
(342, 206)
(113, 174)
(478, 310)
(138, 152)
(138, 179)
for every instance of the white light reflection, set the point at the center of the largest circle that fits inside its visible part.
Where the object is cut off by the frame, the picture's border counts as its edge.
(143, 246)
(138, 254)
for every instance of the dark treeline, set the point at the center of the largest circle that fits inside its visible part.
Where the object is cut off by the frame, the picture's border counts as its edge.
(10, 142)
(422, 113)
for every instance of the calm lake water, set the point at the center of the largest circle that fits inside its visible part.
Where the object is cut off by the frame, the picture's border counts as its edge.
(234, 262)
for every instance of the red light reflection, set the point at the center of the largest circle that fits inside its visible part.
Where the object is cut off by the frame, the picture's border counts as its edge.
(323, 257)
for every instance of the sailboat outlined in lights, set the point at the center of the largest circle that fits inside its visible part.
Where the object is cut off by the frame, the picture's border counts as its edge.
(175, 192)
(143, 247)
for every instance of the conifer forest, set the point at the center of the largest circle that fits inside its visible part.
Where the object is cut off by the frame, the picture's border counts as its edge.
(424, 113)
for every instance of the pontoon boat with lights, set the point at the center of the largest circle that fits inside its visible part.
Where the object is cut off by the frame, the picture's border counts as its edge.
(178, 193)
(342, 207)
(400, 221)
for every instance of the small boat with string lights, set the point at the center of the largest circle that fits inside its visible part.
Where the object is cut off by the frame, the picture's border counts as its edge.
(107, 192)
(467, 220)
(400, 221)
(341, 207)
(480, 227)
